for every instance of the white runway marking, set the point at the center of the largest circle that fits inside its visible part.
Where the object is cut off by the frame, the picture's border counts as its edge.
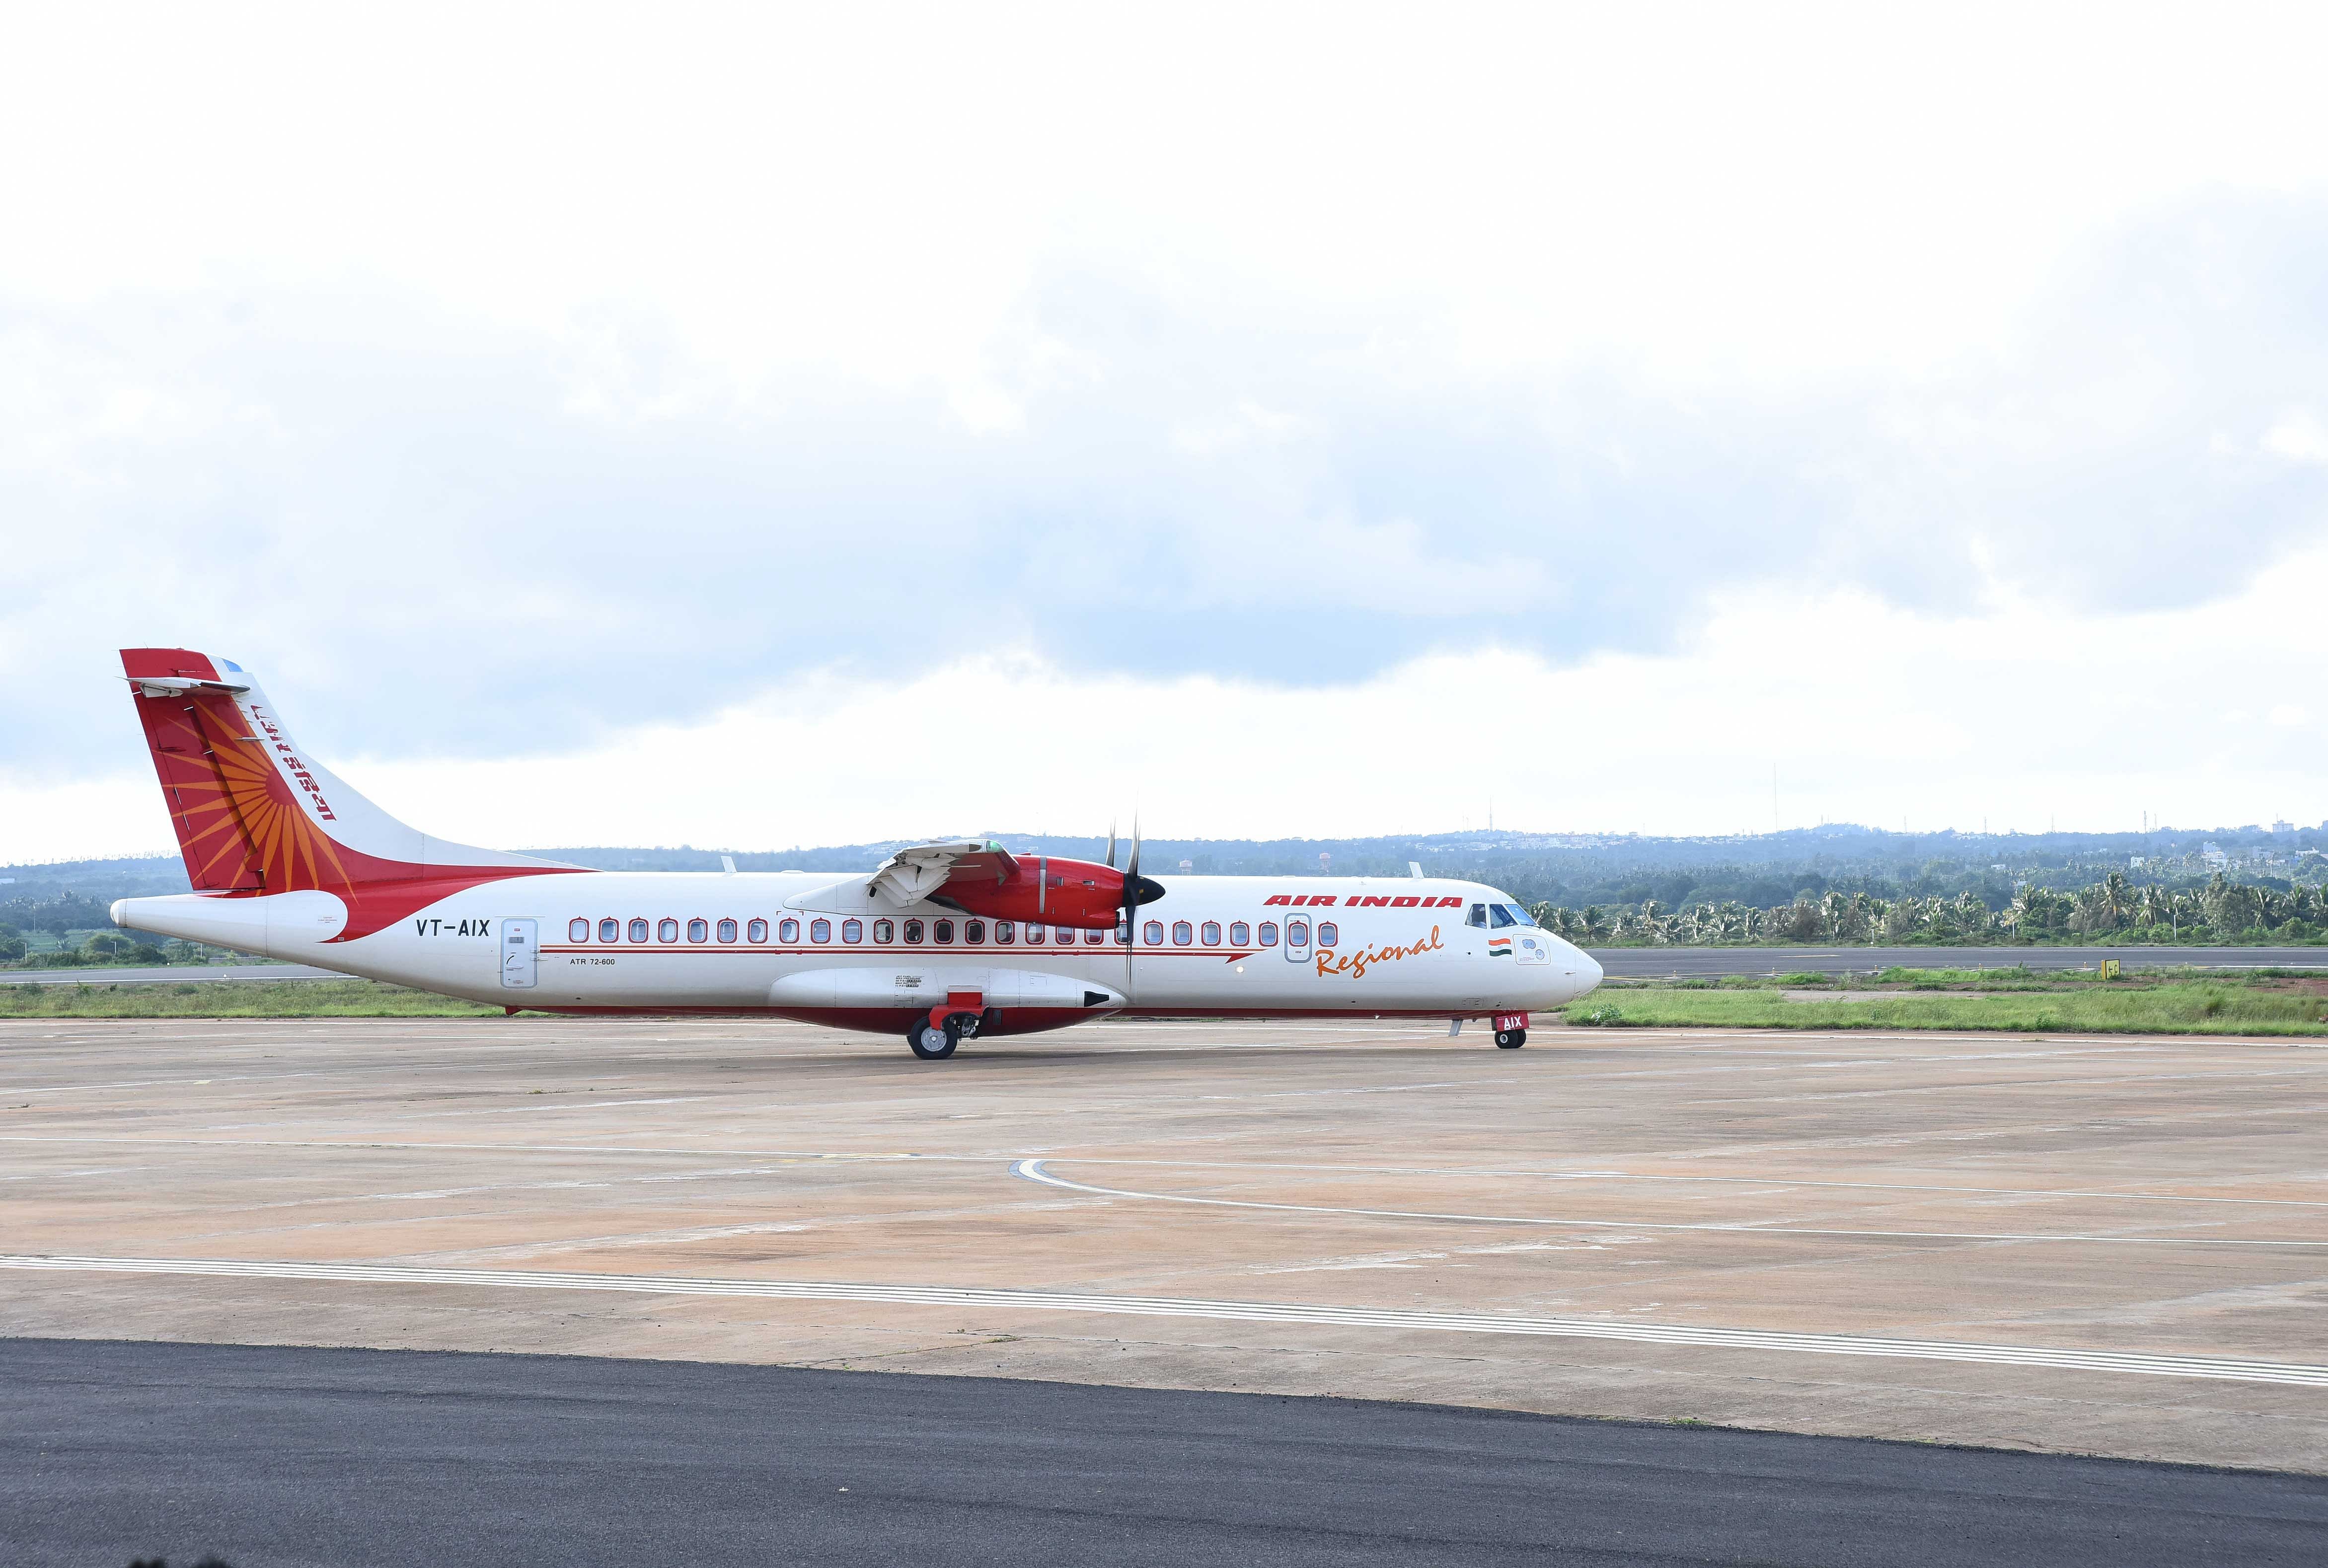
(1483, 1172)
(2237, 1371)
(1032, 1170)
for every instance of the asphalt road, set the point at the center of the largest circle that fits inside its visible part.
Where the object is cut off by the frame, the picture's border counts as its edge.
(1664, 963)
(112, 1451)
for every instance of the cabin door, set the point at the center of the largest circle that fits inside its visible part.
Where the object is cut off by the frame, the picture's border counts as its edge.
(518, 949)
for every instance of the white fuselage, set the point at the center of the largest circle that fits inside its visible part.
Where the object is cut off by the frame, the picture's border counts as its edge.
(803, 944)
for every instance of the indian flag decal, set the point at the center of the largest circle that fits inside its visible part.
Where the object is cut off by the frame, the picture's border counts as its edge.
(1499, 947)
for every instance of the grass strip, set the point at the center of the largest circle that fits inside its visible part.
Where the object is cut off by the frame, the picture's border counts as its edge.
(233, 999)
(2199, 1008)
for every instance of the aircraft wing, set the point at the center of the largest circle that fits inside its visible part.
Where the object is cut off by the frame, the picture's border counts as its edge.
(912, 875)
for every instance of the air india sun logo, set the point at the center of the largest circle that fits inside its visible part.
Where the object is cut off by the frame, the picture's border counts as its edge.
(244, 812)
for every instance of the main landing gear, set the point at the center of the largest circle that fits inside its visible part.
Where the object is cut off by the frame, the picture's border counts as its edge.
(1510, 1039)
(935, 1042)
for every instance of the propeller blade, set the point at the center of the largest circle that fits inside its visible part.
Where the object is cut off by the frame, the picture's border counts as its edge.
(1131, 900)
(1110, 846)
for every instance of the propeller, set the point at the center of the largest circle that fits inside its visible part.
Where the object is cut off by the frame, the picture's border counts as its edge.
(1111, 842)
(1137, 888)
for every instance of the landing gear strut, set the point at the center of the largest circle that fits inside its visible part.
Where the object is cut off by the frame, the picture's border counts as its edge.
(1510, 1039)
(935, 1042)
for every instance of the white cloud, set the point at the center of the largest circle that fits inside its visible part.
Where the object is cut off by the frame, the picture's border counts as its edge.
(503, 386)
(1710, 188)
(2299, 438)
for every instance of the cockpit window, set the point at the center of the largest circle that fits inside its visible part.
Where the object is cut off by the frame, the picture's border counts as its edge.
(1520, 916)
(1479, 914)
(1500, 915)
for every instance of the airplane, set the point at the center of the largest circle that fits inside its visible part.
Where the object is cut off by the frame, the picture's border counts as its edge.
(940, 943)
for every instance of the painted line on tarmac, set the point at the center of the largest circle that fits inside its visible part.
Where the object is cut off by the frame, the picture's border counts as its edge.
(1485, 1173)
(1033, 1170)
(2237, 1371)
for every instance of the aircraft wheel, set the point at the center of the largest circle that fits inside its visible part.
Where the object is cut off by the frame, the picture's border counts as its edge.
(931, 1042)
(1510, 1039)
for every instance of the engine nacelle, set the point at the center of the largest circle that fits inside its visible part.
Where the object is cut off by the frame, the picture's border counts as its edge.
(1049, 890)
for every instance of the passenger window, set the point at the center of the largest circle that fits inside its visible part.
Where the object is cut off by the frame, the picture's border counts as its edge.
(788, 930)
(1211, 933)
(667, 929)
(884, 931)
(757, 931)
(852, 930)
(1181, 933)
(1240, 933)
(819, 931)
(1327, 933)
(698, 930)
(942, 932)
(1152, 933)
(1479, 915)
(1499, 915)
(1297, 934)
(577, 931)
(610, 930)
(914, 931)
(727, 931)
(1034, 932)
(1005, 933)
(973, 931)
(638, 931)
(1093, 938)
(1269, 934)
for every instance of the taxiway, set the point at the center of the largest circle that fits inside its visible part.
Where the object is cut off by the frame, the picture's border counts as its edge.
(2103, 1244)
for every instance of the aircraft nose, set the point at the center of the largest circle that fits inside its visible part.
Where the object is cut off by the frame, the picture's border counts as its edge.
(1578, 971)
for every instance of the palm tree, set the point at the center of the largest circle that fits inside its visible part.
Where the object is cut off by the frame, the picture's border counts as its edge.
(2152, 906)
(2029, 909)
(2112, 901)
(1831, 914)
(1972, 913)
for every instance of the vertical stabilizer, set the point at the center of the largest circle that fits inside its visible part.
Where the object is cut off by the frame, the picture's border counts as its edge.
(254, 815)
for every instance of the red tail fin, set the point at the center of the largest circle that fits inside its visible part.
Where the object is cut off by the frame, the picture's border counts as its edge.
(254, 815)
(214, 775)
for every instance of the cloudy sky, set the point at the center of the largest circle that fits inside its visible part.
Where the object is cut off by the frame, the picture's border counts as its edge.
(749, 428)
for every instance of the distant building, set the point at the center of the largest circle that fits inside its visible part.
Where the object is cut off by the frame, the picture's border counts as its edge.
(2213, 854)
(2282, 827)
(1325, 862)
(1186, 867)
(2134, 862)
